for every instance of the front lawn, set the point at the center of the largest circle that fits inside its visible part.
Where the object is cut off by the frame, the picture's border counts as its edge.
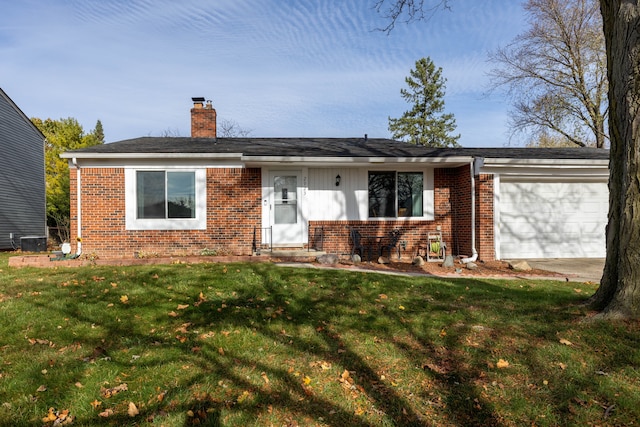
(257, 344)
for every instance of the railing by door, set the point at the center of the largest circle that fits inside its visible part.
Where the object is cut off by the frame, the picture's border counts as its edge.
(262, 241)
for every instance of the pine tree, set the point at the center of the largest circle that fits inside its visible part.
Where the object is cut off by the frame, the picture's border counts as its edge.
(425, 123)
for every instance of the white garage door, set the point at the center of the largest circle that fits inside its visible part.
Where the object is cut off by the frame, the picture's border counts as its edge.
(553, 219)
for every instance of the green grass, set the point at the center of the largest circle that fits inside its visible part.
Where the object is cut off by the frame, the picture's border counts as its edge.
(257, 344)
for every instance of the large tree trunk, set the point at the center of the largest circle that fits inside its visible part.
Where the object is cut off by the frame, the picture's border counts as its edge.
(619, 293)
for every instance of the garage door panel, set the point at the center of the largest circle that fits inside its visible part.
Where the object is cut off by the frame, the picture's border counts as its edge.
(552, 219)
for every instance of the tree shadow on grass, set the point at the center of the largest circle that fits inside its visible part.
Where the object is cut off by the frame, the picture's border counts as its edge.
(352, 322)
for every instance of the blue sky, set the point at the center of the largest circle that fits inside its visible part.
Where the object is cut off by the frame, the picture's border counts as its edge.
(276, 67)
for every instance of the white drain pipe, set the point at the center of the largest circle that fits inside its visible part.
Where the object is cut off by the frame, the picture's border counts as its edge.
(78, 208)
(474, 252)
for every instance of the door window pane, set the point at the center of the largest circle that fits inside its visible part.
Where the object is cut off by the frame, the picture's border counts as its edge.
(285, 200)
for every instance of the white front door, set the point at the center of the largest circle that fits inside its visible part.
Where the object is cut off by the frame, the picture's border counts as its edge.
(286, 218)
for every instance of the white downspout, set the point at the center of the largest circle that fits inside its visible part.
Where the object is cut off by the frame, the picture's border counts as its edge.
(474, 252)
(78, 208)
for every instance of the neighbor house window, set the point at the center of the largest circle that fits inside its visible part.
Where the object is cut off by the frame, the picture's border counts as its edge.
(165, 199)
(395, 194)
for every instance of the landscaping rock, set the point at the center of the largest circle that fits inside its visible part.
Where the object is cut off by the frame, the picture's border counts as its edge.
(356, 259)
(448, 261)
(419, 261)
(384, 260)
(328, 259)
(520, 266)
(471, 266)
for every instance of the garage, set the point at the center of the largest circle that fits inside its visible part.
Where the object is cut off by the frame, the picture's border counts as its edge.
(551, 219)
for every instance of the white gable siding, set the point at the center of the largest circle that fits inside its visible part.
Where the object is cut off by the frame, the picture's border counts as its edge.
(349, 200)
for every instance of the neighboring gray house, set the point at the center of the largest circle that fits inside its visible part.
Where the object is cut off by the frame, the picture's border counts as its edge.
(22, 179)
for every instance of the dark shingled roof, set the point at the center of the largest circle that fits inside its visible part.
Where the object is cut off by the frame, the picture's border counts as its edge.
(328, 147)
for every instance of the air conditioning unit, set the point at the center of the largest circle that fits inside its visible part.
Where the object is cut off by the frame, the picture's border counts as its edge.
(33, 243)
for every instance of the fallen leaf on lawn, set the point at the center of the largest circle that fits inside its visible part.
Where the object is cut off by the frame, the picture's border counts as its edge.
(51, 416)
(182, 306)
(443, 333)
(133, 410)
(306, 380)
(79, 384)
(183, 328)
(96, 403)
(243, 396)
(502, 364)
(265, 377)
(34, 341)
(173, 314)
(565, 342)
(220, 351)
(383, 296)
(401, 307)
(59, 418)
(161, 396)
(124, 299)
(359, 411)
(106, 413)
(108, 392)
(42, 388)
(562, 366)
(114, 285)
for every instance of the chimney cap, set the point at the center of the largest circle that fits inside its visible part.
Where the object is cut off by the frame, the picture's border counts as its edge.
(198, 99)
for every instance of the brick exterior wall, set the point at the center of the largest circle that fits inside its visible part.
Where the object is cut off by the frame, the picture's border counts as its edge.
(233, 210)
(485, 242)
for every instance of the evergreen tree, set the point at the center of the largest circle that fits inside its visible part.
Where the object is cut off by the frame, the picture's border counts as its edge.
(425, 123)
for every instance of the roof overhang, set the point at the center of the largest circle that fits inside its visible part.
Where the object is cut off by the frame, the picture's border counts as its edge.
(94, 159)
(509, 168)
(253, 161)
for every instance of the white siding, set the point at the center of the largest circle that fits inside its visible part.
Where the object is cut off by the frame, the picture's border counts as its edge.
(349, 200)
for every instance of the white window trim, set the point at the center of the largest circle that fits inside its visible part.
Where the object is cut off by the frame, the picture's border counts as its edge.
(134, 223)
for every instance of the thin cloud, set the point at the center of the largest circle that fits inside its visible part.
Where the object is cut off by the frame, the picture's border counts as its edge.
(280, 68)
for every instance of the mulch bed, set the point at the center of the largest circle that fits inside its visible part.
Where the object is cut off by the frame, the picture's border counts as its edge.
(484, 269)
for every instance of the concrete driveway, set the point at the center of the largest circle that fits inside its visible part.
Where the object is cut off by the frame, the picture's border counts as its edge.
(575, 269)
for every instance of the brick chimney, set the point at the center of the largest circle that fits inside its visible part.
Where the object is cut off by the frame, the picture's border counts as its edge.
(203, 119)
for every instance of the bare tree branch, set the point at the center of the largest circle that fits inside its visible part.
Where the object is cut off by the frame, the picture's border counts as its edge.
(555, 72)
(407, 11)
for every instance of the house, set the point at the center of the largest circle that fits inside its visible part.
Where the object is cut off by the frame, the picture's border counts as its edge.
(178, 196)
(23, 216)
